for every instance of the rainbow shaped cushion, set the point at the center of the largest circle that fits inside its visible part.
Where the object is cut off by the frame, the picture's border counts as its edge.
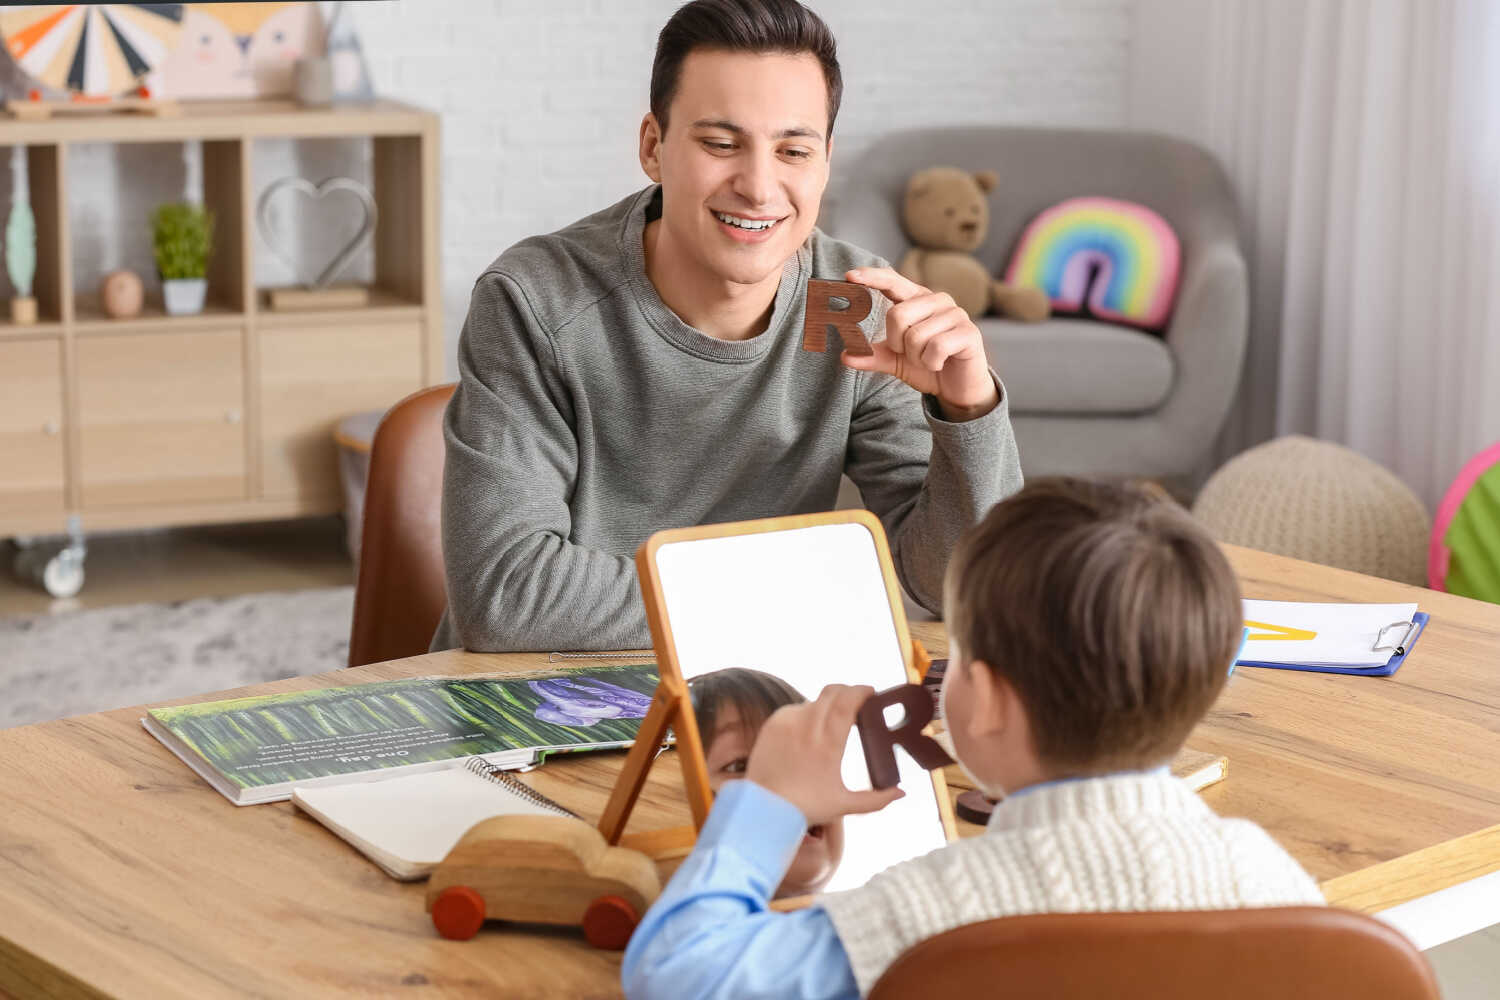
(1112, 259)
(1464, 557)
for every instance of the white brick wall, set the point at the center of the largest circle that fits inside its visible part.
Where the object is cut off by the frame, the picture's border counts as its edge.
(541, 101)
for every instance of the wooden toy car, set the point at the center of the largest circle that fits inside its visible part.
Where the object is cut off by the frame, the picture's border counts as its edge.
(542, 869)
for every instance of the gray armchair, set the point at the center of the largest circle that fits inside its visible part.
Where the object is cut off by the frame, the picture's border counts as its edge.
(1086, 398)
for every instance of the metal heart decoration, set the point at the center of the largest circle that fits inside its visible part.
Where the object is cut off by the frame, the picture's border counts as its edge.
(305, 187)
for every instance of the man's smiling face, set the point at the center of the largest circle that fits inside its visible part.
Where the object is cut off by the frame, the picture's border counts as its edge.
(743, 163)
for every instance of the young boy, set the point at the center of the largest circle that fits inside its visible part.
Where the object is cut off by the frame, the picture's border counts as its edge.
(1090, 627)
(731, 707)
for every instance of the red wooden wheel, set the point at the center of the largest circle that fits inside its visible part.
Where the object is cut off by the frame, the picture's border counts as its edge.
(608, 923)
(458, 912)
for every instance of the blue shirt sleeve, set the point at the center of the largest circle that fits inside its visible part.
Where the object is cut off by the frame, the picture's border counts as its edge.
(710, 934)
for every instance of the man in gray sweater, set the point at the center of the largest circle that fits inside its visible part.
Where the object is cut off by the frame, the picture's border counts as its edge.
(642, 368)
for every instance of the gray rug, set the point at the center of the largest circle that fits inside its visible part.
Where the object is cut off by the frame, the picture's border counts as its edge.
(87, 661)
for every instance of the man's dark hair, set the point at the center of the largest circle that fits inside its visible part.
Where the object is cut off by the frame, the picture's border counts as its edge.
(1110, 611)
(783, 26)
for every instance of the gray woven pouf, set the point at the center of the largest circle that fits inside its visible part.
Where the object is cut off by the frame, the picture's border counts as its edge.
(1322, 502)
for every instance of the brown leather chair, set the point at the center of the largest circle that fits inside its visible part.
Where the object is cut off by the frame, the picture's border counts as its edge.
(1283, 952)
(401, 590)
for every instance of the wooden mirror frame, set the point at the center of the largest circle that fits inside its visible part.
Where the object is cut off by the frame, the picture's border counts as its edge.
(672, 706)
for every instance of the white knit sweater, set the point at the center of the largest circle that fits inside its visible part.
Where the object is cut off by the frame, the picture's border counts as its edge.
(1119, 843)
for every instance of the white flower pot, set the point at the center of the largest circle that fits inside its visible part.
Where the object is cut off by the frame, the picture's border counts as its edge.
(184, 296)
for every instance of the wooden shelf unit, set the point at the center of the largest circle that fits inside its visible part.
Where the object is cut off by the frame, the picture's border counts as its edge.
(227, 415)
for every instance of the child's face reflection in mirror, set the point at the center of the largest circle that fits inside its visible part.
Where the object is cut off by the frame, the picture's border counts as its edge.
(728, 740)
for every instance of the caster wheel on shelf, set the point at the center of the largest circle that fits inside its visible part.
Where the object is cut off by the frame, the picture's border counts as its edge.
(59, 573)
(63, 576)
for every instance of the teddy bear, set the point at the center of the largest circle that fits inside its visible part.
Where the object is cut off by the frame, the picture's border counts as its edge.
(946, 218)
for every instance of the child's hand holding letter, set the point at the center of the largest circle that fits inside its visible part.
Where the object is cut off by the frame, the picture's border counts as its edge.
(798, 754)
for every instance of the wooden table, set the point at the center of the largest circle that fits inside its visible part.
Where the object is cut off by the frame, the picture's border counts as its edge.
(122, 874)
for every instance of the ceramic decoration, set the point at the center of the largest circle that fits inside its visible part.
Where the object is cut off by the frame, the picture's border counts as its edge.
(20, 240)
(121, 294)
(351, 76)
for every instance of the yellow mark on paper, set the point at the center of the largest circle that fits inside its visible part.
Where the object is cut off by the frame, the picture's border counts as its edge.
(1279, 632)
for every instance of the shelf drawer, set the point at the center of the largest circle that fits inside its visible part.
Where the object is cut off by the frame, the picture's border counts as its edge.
(32, 470)
(313, 376)
(161, 417)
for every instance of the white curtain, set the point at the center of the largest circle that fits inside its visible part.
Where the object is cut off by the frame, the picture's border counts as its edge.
(1362, 138)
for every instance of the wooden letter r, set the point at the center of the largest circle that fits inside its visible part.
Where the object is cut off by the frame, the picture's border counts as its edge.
(836, 307)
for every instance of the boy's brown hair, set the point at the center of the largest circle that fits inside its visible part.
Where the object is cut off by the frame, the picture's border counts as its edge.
(1110, 611)
(757, 26)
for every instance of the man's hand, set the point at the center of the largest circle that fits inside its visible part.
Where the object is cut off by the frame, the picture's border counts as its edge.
(930, 344)
(798, 751)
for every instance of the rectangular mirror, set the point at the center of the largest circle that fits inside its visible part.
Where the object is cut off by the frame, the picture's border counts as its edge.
(812, 600)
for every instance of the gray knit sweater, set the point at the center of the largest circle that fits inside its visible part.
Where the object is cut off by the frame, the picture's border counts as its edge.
(588, 416)
(1121, 843)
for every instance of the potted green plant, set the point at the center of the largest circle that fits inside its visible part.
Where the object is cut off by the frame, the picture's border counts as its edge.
(182, 235)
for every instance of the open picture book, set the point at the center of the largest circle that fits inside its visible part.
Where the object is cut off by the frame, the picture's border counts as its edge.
(256, 749)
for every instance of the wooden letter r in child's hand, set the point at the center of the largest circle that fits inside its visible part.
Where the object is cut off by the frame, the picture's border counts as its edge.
(880, 740)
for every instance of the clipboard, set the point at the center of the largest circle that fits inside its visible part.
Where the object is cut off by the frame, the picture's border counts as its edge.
(1419, 620)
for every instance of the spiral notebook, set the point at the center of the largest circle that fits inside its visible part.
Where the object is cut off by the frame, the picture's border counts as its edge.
(407, 825)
